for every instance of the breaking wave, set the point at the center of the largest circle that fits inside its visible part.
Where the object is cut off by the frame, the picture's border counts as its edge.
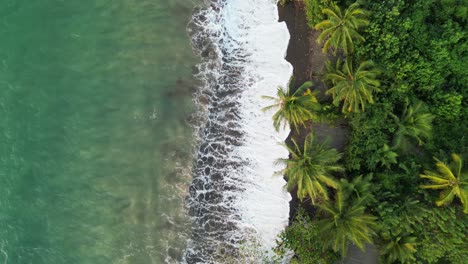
(234, 199)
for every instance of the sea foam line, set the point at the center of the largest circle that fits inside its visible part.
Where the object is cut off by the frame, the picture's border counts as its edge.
(234, 196)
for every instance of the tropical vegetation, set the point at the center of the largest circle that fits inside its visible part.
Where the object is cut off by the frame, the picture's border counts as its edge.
(340, 29)
(451, 180)
(400, 85)
(399, 248)
(310, 169)
(302, 236)
(295, 107)
(353, 88)
(415, 124)
(344, 222)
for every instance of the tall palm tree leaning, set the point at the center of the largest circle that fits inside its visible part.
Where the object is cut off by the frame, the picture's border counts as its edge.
(310, 167)
(451, 180)
(294, 107)
(344, 222)
(352, 87)
(340, 29)
(415, 123)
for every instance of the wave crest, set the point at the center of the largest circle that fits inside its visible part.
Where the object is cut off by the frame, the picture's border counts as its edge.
(234, 198)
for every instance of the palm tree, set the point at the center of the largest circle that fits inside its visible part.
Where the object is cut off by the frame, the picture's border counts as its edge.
(415, 123)
(352, 87)
(343, 222)
(340, 30)
(309, 169)
(398, 249)
(387, 156)
(451, 180)
(295, 108)
(357, 188)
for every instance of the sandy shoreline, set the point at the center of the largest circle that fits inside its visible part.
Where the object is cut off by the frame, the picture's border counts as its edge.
(308, 61)
(298, 56)
(299, 46)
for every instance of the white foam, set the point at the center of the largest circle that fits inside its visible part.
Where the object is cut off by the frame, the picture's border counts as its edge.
(265, 203)
(248, 40)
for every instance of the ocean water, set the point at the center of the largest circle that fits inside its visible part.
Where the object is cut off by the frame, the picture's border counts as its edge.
(95, 147)
(123, 139)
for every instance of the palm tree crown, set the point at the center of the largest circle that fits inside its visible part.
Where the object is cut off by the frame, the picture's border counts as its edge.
(357, 188)
(451, 180)
(415, 122)
(344, 222)
(340, 29)
(295, 108)
(387, 156)
(398, 249)
(352, 87)
(310, 168)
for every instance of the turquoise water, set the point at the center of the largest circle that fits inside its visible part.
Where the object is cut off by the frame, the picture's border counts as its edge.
(94, 143)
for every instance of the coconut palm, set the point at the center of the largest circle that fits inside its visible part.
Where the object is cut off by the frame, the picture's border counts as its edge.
(398, 249)
(340, 29)
(343, 222)
(310, 168)
(415, 123)
(357, 188)
(387, 156)
(294, 107)
(353, 88)
(451, 180)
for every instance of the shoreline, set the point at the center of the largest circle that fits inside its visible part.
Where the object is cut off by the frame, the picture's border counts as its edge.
(299, 46)
(363, 137)
(308, 62)
(298, 56)
(239, 143)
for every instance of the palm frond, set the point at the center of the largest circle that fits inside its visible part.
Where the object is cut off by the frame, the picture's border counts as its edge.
(449, 180)
(310, 168)
(343, 222)
(446, 197)
(303, 88)
(352, 88)
(340, 29)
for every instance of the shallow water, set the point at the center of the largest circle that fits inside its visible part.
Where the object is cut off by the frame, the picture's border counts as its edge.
(95, 149)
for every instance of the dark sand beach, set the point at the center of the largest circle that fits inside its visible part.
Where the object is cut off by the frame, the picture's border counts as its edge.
(305, 55)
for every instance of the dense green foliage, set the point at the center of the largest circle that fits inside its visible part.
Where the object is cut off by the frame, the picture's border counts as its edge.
(303, 237)
(422, 45)
(313, 9)
(310, 169)
(414, 125)
(399, 247)
(438, 235)
(371, 131)
(421, 113)
(421, 50)
(294, 108)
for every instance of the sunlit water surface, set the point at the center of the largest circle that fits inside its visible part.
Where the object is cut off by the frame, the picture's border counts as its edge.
(94, 144)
